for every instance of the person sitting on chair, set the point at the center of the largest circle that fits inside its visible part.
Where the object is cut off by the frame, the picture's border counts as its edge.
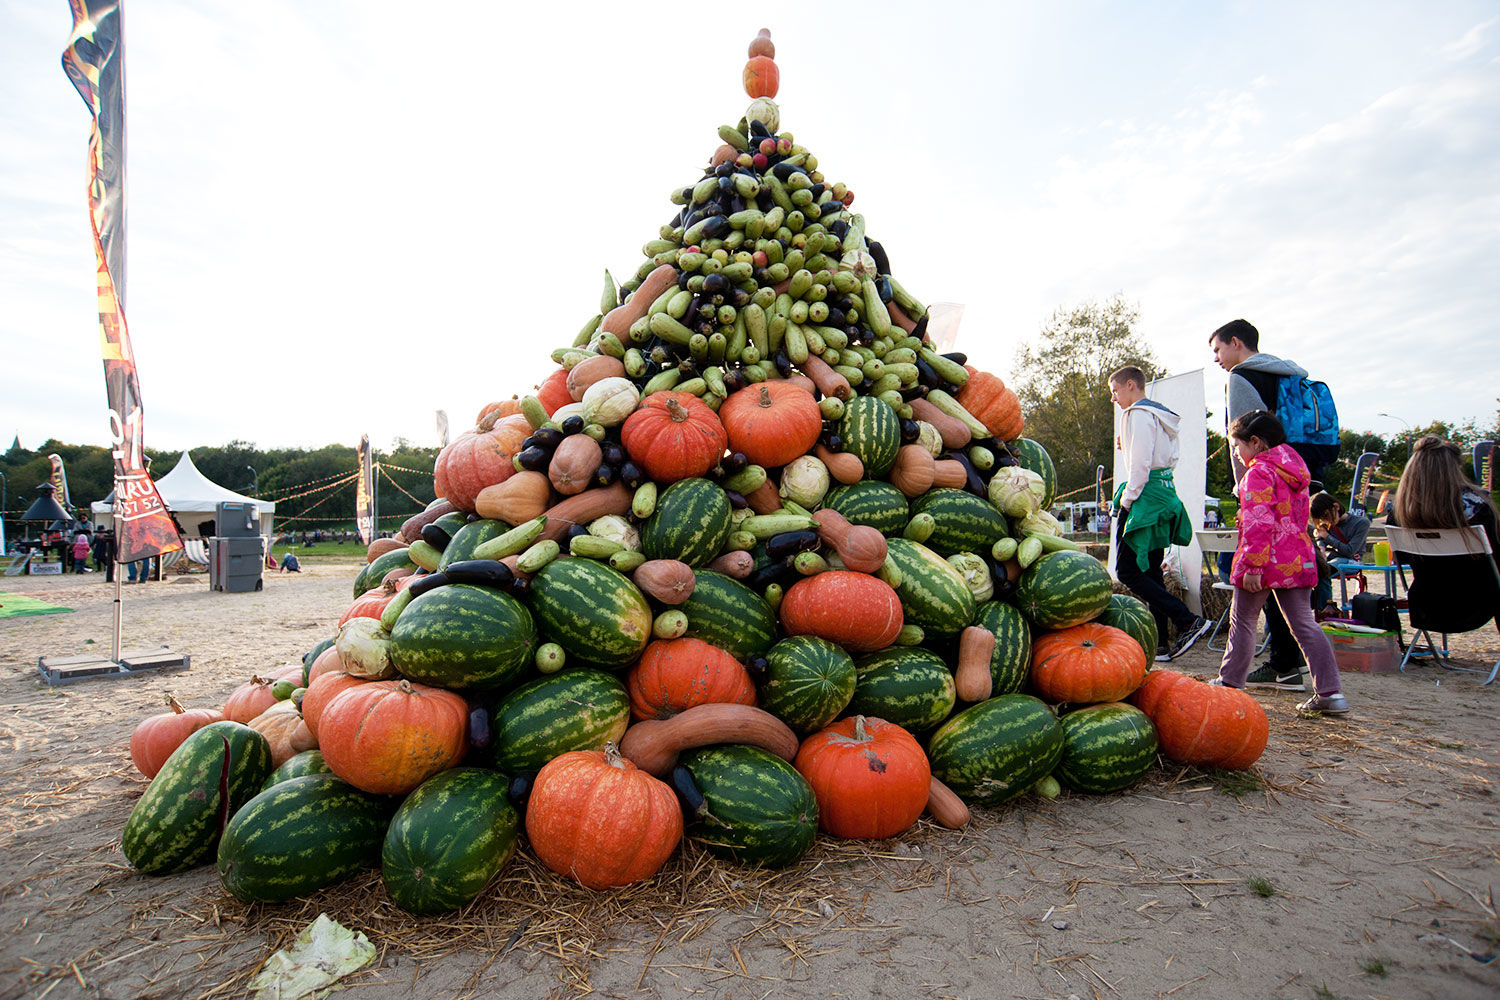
(1341, 540)
(1435, 493)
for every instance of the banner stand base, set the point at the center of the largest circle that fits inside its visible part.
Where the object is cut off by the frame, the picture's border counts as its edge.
(66, 669)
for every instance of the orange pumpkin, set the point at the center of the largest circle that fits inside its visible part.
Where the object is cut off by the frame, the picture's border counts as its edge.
(370, 604)
(595, 817)
(674, 435)
(387, 737)
(328, 661)
(1087, 664)
(676, 674)
(855, 610)
(157, 736)
(476, 459)
(771, 422)
(553, 392)
(871, 777)
(278, 724)
(250, 699)
(762, 78)
(323, 689)
(503, 408)
(989, 401)
(1203, 724)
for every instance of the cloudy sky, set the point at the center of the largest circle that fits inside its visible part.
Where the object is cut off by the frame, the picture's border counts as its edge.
(345, 216)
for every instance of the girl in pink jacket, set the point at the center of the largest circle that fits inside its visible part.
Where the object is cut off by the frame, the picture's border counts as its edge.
(1275, 556)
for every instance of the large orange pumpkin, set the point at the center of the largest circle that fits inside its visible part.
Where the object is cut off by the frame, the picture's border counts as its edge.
(1087, 664)
(157, 736)
(855, 610)
(762, 78)
(595, 817)
(387, 737)
(251, 698)
(476, 459)
(370, 604)
(328, 661)
(675, 674)
(1203, 724)
(674, 435)
(871, 777)
(502, 408)
(321, 690)
(771, 422)
(992, 403)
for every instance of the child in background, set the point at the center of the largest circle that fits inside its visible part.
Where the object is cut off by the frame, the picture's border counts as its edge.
(1275, 556)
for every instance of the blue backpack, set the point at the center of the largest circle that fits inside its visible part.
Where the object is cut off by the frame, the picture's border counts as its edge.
(1305, 408)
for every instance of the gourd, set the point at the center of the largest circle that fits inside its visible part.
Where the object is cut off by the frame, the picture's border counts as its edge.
(520, 498)
(954, 432)
(654, 744)
(860, 547)
(854, 610)
(553, 392)
(585, 508)
(156, 736)
(762, 78)
(871, 777)
(609, 401)
(591, 370)
(278, 724)
(381, 546)
(945, 807)
(1087, 664)
(574, 463)
(670, 581)
(673, 675)
(322, 690)
(972, 679)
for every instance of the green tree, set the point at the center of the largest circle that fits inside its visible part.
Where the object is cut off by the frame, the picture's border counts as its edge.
(1063, 385)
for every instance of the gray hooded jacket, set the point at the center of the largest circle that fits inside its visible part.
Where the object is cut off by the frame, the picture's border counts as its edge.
(1252, 386)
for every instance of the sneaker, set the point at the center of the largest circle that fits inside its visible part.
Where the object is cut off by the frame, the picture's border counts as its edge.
(1163, 654)
(1186, 637)
(1324, 704)
(1268, 676)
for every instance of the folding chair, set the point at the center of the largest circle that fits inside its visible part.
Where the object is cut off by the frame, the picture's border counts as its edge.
(1212, 542)
(1454, 585)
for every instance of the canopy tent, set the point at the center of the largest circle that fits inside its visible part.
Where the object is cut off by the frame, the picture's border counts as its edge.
(194, 498)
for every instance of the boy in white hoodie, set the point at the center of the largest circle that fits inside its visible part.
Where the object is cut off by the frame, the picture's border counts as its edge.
(1151, 517)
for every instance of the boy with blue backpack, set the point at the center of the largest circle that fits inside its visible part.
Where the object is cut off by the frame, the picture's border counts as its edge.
(1259, 381)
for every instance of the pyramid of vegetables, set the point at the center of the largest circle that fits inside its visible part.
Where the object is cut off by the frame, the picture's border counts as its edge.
(755, 561)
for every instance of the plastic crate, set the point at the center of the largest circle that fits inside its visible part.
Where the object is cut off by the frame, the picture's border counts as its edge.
(1363, 650)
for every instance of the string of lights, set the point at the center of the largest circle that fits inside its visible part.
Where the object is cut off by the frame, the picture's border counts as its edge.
(398, 486)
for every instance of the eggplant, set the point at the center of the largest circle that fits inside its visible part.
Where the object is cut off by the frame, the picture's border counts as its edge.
(882, 262)
(839, 228)
(975, 483)
(482, 572)
(783, 363)
(957, 357)
(725, 169)
(544, 437)
(784, 170)
(479, 728)
(789, 543)
(883, 285)
(520, 789)
(758, 129)
(606, 474)
(735, 461)
(687, 791)
(613, 453)
(925, 375)
(920, 329)
(772, 572)
(910, 430)
(572, 425)
(715, 284)
(534, 459)
(435, 536)
(426, 582)
(631, 474)
(520, 587)
(758, 666)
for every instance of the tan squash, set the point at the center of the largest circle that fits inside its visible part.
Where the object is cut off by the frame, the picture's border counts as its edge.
(860, 547)
(585, 507)
(617, 321)
(653, 745)
(913, 472)
(764, 499)
(277, 724)
(828, 381)
(574, 463)
(520, 498)
(955, 432)
(381, 546)
(591, 370)
(737, 564)
(411, 528)
(899, 317)
(972, 677)
(669, 581)
(945, 807)
(843, 466)
(949, 472)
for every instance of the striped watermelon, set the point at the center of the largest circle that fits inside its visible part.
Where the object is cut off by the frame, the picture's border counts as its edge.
(872, 432)
(464, 636)
(306, 762)
(1131, 616)
(593, 612)
(1062, 589)
(1031, 455)
(757, 809)
(577, 709)
(177, 822)
(876, 504)
(726, 613)
(690, 523)
(996, 750)
(933, 593)
(1106, 748)
(909, 686)
(468, 538)
(1010, 663)
(808, 682)
(965, 522)
(300, 836)
(448, 840)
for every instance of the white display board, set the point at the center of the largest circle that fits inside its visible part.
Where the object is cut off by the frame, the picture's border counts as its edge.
(1183, 394)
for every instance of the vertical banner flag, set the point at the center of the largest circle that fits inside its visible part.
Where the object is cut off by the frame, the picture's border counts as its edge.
(1101, 499)
(364, 493)
(1484, 465)
(95, 61)
(1364, 471)
(442, 426)
(59, 482)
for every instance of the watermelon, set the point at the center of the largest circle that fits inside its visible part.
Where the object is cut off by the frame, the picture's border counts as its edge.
(374, 572)
(463, 636)
(1131, 616)
(448, 840)
(724, 612)
(690, 523)
(965, 522)
(996, 750)
(879, 505)
(468, 538)
(757, 810)
(593, 612)
(909, 686)
(577, 709)
(1062, 589)
(1010, 663)
(808, 682)
(300, 836)
(176, 824)
(933, 594)
(1031, 455)
(306, 762)
(871, 432)
(1106, 748)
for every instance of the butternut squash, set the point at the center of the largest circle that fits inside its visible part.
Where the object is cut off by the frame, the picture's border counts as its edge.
(828, 381)
(520, 498)
(653, 745)
(972, 678)
(617, 321)
(846, 468)
(591, 370)
(585, 507)
(736, 564)
(574, 463)
(860, 547)
(381, 546)
(899, 317)
(913, 472)
(945, 807)
(955, 432)
(950, 472)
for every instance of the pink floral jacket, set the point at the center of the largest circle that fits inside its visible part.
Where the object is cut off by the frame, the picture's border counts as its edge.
(1273, 522)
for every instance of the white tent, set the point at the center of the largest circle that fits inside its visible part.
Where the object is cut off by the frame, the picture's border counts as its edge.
(194, 498)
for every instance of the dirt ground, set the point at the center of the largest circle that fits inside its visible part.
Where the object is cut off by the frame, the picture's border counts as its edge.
(1357, 860)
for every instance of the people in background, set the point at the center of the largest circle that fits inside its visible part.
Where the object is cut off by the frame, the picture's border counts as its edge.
(290, 563)
(1274, 557)
(1340, 536)
(104, 554)
(1434, 492)
(81, 549)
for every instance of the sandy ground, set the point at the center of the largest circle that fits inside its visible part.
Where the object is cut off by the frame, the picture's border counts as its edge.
(1356, 860)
